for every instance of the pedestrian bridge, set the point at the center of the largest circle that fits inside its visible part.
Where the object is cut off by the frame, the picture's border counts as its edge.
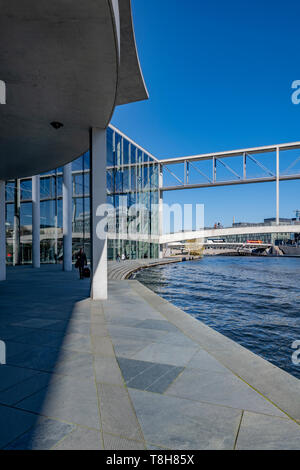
(224, 232)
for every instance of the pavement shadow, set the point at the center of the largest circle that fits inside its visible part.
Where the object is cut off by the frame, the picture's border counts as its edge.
(45, 325)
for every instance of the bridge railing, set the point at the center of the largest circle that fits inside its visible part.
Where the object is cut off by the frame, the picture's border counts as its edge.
(252, 165)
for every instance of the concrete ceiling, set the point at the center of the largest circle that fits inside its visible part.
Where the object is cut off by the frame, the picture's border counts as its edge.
(60, 61)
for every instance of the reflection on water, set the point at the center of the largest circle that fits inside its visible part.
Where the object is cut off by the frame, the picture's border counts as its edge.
(254, 301)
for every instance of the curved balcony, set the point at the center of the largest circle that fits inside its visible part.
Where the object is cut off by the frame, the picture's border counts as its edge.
(66, 62)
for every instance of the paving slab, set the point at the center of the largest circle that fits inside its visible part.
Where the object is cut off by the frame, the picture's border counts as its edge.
(149, 376)
(162, 325)
(132, 332)
(220, 388)
(70, 399)
(102, 346)
(167, 354)
(259, 432)
(118, 443)
(26, 388)
(44, 435)
(205, 361)
(180, 424)
(40, 338)
(17, 422)
(76, 364)
(77, 342)
(41, 323)
(10, 376)
(128, 347)
(81, 439)
(107, 370)
(117, 413)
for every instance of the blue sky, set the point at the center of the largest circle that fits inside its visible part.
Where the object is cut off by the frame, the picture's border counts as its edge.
(219, 75)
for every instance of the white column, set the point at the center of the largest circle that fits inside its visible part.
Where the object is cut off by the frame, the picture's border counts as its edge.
(67, 217)
(277, 184)
(161, 210)
(2, 233)
(98, 152)
(36, 222)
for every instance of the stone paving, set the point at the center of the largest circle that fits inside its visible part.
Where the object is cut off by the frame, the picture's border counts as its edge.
(130, 373)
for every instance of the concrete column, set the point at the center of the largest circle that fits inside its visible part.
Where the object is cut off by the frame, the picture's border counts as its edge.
(2, 233)
(98, 152)
(67, 217)
(277, 185)
(161, 210)
(36, 222)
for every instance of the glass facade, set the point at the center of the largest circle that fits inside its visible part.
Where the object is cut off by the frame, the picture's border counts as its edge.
(132, 179)
(132, 183)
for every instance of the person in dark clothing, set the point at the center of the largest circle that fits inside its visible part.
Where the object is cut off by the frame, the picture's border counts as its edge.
(81, 262)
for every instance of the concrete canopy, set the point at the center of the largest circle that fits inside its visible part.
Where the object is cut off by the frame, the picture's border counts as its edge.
(67, 61)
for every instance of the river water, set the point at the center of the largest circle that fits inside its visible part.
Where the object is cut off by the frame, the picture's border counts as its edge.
(253, 301)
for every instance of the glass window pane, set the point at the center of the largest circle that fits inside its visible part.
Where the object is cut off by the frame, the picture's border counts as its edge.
(86, 161)
(125, 152)
(133, 154)
(48, 219)
(10, 191)
(86, 182)
(118, 161)
(59, 185)
(110, 148)
(77, 165)
(77, 184)
(26, 189)
(47, 188)
(126, 179)
(26, 218)
(10, 211)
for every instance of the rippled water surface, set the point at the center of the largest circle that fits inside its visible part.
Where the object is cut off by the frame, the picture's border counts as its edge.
(254, 301)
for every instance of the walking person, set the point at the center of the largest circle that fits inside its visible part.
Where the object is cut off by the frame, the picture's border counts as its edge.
(81, 262)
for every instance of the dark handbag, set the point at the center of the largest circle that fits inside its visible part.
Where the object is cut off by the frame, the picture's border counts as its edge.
(87, 272)
(77, 264)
